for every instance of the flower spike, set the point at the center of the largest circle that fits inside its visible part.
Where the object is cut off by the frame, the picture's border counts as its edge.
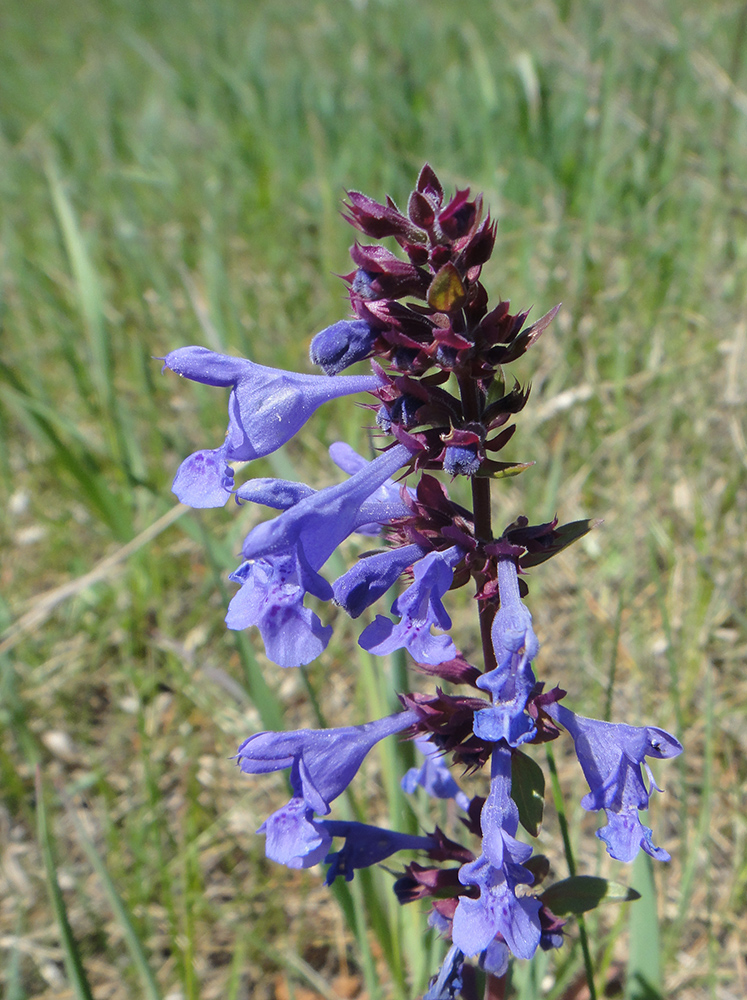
(440, 406)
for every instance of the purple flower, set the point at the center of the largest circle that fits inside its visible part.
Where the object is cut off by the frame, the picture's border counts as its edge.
(611, 756)
(284, 493)
(267, 406)
(271, 597)
(323, 762)
(419, 607)
(387, 495)
(346, 457)
(341, 345)
(283, 556)
(204, 479)
(319, 522)
(372, 576)
(293, 838)
(365, 846)
(434, 776)
(511, 682)
(439, 923)
(279, 494)
(447, 985)
(497, 872)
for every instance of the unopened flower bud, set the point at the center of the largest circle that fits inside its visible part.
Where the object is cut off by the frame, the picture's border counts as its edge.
(461, 460)
(341, 345)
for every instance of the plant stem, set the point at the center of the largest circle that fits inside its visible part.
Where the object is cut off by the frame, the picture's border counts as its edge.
(495, 987)
(472, 404)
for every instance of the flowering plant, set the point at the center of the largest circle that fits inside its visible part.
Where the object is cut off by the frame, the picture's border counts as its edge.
(441, 402)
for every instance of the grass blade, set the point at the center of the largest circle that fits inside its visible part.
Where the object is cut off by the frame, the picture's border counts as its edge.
(78, 460)
(13, 981)
(73, 961)
(134, 945)
(644, 966)
(88, 287)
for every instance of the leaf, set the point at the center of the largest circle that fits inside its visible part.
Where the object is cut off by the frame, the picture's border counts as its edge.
(585, 892)
(129, 933)
(446, 291)
(75, 455)
(644, 955)
(76, 973)
(562, 537)
(539, 866)
(502, 470)
(87, 285)
(528, 791)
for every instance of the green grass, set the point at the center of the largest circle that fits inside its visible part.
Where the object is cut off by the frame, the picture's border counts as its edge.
(173, 175)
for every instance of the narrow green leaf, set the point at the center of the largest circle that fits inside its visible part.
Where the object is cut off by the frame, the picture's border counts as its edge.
(350, 900)
(528, 791)
(238, 964)
(79, 460)
(14, 989)
(644, 957)
(88, 286)
(134, 946)
(502, 470)
(73, 961)
(585, 892)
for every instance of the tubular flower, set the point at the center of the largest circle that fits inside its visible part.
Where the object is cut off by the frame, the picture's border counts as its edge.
(365, 846)
(341, 345)
(285, 493)
(512, 680)
(497, 872)
(419, 607)
(266, 408)
(447, 985)
(434, 776)
(292, 836)
(371, 577)
(323, 762)
(611, 756)
(280, 494)
(271, 597)
(495, 958)
(283, 556)
(388, 495)
(319, 522)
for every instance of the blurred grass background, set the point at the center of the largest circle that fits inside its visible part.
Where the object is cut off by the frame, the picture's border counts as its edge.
(172, 174)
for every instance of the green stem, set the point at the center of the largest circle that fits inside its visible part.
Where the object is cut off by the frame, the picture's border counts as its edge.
(557, 795)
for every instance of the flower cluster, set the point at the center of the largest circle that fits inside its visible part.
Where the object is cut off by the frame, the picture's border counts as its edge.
(440, 404)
